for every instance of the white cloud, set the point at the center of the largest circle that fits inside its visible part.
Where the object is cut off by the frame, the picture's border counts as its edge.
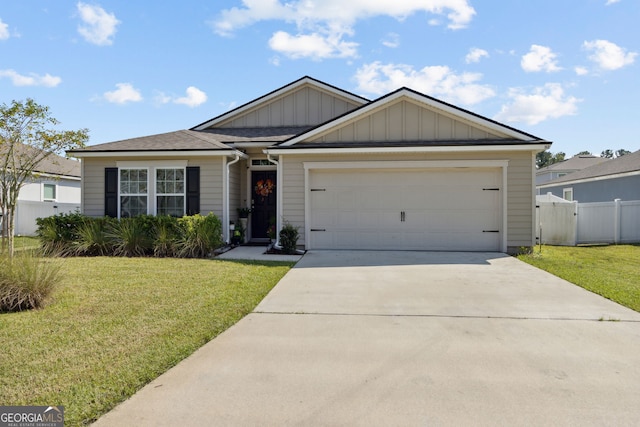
(540, 58)
(4, 31)
(315, 46)
(194, 97)
(543, 103)
(124, 93)
(437, 81)
(392, 40)
(307, 14)
(99, 27)
(610, 2)
(609, 56)
(322, 25)
(581, 71)
(32, 79)
(475, 55)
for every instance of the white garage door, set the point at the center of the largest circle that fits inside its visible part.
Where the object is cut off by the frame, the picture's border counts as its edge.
(431, 209)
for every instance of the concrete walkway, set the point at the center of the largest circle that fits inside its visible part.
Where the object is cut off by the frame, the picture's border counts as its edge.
(408, 338)
(256, 253)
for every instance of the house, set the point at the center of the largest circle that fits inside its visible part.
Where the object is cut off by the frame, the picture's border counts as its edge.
(54, 188)
(560, 169)
(404, 171)
(603, 182)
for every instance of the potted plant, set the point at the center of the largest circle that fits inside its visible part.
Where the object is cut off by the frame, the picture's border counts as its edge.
(244, 212)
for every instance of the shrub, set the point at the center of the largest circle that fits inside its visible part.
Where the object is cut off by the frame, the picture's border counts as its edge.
(130, 237)
(201, 235)
(26, 282)
(165, 236)
(58, 232)
(289, 238)
(92, 238)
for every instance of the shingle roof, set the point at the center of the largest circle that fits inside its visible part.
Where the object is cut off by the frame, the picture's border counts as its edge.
(399, 144)
(182, 140)
(52, 164)
(575, 163)
(266, 134)
(57, 165)
(623, 164)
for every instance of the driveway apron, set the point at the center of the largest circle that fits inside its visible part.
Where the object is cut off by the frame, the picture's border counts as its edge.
(367, 338)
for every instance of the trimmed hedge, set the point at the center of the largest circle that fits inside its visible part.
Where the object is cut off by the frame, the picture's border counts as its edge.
(193, 236)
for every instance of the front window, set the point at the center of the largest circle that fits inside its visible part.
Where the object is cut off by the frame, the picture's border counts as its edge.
(133, 192)
(170, 185)
(49, 192)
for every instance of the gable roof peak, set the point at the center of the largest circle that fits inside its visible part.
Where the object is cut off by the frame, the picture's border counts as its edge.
(278, 92)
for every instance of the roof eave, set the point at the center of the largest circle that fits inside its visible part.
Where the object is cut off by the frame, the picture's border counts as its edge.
(156, 153)
(532, 147)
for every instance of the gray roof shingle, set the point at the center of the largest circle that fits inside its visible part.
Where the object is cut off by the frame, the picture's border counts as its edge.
(575, 163)
(623, 164)
(182, 140)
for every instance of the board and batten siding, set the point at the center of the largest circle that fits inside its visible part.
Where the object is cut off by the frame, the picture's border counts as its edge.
(520, 188)
(406, 121)
(211, 173)
(304, 107)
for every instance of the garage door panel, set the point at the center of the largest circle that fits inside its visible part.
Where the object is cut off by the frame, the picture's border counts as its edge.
(444, 209)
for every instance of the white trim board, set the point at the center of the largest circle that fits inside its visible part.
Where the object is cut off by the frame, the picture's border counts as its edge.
(421, 149)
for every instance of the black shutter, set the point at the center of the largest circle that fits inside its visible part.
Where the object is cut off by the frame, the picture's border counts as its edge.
(193, 190)
(111, 192)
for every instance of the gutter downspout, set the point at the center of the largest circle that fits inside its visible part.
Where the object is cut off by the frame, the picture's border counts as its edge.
(278, 200)
(225, 212)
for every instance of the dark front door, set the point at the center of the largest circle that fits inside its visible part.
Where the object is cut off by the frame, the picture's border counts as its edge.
(263, 202)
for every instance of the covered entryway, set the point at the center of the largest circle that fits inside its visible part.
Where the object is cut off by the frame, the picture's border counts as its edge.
(453, 209)
(263, 203)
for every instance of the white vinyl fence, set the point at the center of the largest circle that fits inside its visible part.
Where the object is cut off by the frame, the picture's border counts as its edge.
(572, 223)
(28, 211)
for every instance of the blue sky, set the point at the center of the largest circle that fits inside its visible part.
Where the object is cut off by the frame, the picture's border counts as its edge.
(564, 71)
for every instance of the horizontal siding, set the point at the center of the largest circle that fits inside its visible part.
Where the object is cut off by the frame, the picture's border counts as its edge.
(234, 191)
(93, 182)
(211, 180)
(93, 185)
(520, 196)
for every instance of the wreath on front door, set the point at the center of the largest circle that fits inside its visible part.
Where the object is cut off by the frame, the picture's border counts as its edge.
(264, 187)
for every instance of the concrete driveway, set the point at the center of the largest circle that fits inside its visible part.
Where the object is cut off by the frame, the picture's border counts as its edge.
(409, 339)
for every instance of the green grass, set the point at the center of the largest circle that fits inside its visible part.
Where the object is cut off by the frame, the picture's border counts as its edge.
(24, 242)
(610, 271)
(115, 324)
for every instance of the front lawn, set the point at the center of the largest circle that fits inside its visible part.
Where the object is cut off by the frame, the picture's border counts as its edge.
(117, 323)
(610, 271)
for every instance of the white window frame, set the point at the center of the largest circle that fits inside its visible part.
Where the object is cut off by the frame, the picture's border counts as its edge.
(151, 167)
(184, 187)
(120, 195)
(565, 191)
(55, 192)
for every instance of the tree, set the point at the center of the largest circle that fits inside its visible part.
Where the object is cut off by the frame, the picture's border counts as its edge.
(546, 158)
(621, 152)
(607, 154)
(27, 137)
(584, 153)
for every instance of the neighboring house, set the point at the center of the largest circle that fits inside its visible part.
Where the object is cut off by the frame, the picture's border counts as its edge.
(404, 171)
(54, 188)
(604, 182)
(560, 169)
